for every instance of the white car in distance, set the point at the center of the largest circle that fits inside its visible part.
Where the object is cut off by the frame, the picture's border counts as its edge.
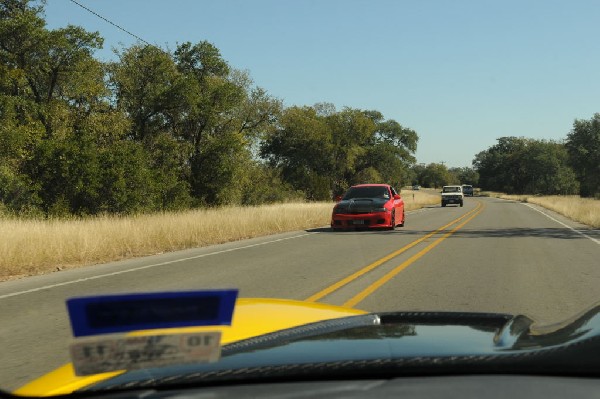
(452, 195)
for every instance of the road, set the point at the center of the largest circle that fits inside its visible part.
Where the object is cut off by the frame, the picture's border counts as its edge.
(490, 255)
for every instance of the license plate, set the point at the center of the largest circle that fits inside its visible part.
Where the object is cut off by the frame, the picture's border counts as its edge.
(358, 222)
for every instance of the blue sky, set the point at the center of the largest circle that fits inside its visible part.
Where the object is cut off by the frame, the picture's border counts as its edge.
(461, 73)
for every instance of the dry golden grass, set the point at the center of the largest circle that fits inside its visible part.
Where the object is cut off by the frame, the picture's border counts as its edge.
(29, 247)
(583, 210)
(421, 198)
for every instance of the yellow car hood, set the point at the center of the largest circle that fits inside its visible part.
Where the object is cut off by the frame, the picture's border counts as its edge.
(251, 318)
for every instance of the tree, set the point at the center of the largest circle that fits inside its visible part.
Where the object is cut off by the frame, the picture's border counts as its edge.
(583, 146)
(390, 150)
(193, 106)
(525, 166)
(43, 64)
(222, 118)
(435, 175)
(323, 151)
(126, 180)
(548, 171)
(149, 89)
(301, 147)
(465, 175)
(68, 172)
(169, 163)
(417, 171)
(52, 93)
(263, 185)
(351, 132)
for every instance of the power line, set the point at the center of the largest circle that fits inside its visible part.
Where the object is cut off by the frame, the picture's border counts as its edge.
(110, 22)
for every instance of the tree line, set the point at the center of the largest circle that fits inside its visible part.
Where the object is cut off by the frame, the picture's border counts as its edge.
(435, 175)
(163, 130)
(517, 165)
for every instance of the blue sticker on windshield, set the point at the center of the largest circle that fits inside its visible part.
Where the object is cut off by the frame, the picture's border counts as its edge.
(106, 314)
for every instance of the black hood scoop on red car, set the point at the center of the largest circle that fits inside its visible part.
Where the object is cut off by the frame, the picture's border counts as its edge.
(361, 205)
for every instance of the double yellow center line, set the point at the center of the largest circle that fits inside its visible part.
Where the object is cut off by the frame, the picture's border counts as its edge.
(371, 288)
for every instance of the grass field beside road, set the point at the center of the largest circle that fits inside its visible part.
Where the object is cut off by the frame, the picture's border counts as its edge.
(37, 246)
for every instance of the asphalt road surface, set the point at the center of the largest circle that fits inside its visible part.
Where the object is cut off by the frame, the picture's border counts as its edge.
(490, 255)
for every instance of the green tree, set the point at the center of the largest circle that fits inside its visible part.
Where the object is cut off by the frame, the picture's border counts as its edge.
(351, 131)
(436, 175)
(56, 113)
(149, 89)
(263, 185)
(322, 151)
(501, 167)
(18, 193)
(583, 145)
(300, 147)
(68, 173)
(224, 116)
(127, 183)
(417, 171)
(390, 150)
(548, 171)
(211, 96)
(465, 175)
(169, 162)
(525, 166)
(44, 64)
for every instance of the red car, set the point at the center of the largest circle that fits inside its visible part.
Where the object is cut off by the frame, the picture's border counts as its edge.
(368, 205)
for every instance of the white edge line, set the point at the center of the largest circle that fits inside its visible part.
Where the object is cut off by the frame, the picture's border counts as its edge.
(148, 266)
(562, 224)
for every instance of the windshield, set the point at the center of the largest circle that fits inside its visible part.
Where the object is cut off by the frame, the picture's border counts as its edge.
(367, 192)
(451, 189)
(185, 146)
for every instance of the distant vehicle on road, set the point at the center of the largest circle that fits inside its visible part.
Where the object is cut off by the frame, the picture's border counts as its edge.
(452, 195)
(467, 190)
(369, 205)
(416, 187)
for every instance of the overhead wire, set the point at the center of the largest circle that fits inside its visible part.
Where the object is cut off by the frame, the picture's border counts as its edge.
(110, 22)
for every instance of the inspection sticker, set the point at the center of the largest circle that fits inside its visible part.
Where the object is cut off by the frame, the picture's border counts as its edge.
(92, 356)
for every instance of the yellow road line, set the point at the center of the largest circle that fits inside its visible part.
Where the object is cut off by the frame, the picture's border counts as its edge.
(354, 276)
(377, 284)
